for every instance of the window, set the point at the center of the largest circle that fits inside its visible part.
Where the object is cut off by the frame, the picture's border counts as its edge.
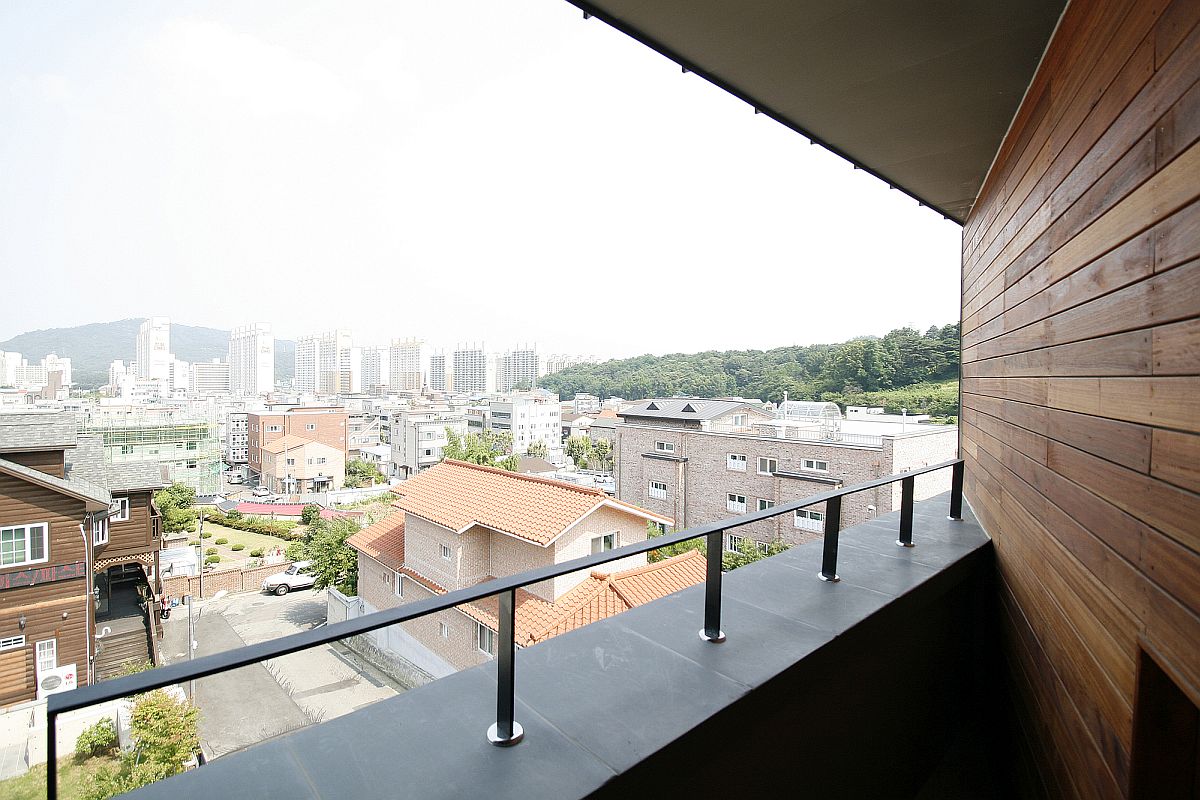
(603, 543)
(733, 543)
(658, 490)
(767, 466)
(99, 530)
(446, 552)
(273, 429)
(126, 449)
(487, 639)
(664, 447)
(310, 426)
(736, 503)
(191, 445)
(12, 643)
(736, 462)
(443, 630)
(310, 461)
(291, 462)
(320, 459)
(24, 544)
(763, 505)
(809, 520)
(119, 511)
(191, 465)
(399, 585)
(816, 465)
(739, 420)
(47, 655)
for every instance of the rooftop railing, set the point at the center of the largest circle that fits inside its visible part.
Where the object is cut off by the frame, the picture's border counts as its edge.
(506, 730)
(786, 429)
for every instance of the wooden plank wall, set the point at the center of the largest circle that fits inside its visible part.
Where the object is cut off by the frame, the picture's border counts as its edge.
(1081, 382)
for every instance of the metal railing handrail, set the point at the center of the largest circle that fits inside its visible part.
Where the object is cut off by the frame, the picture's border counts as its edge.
(506, 731)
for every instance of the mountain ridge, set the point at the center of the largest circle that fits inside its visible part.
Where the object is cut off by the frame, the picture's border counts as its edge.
(94, 346)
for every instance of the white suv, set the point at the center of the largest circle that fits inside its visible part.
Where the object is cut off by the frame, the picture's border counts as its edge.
(297, 576)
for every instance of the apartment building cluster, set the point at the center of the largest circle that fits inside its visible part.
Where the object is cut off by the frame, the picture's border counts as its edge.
(49, 379)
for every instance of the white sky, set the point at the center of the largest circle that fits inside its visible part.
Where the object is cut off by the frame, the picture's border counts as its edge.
(459, 171)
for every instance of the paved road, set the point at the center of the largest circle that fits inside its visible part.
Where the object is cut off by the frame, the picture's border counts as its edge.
(255, 703)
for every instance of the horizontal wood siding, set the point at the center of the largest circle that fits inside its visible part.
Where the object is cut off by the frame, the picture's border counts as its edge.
(1081, 382)
(52, 610)
(133, 536)
(48, 461)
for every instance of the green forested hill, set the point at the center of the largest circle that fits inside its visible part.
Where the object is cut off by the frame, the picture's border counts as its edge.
(93, 347)
(839, 372)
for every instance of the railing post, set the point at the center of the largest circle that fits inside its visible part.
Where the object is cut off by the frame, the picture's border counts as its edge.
(506, 731)
(907, 492)
(956, 490)
(51, 756)
(833, 524)
(711, 632)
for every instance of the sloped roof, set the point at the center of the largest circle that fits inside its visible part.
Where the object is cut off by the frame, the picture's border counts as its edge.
(600, 596)
(135, 475)
(687, 408)
(290, 442)
(382, 540)
(95, 497)
(458, 495)
(283, 509)
(86, 461)
(36, 432)
(527, 464)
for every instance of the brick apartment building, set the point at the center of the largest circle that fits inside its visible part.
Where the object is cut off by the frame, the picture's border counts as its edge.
(701, 461)
(457, 524)
(324, 424)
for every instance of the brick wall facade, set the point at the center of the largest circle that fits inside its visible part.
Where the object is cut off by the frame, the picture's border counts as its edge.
(229, 580)
(699, 480)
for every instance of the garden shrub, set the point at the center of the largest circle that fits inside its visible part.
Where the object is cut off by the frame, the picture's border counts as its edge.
(97, 740)
(211, 551)
(256, 552)
(206, 536)
(214, 559)
(238, 546)
(222, 540)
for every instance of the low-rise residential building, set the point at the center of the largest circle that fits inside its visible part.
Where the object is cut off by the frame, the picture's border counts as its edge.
(183, 441)
(325, 424)
(293, 464)
(530, 417)
(458, 524)
(419, 435)
(701, 461)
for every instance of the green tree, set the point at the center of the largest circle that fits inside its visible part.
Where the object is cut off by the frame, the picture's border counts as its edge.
(334, 563)
(601, 456)
(669, 551)
(175, 505)
(537, 450)
(579, 450)
(489, 448)
(362, 473)
(166, 736)
(310, 513)
(748, 552)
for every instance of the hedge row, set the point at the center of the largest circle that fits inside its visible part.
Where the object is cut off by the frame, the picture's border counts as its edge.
(282, 529)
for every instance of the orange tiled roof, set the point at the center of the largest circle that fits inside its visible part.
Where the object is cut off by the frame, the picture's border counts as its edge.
(599, 597)
(458, 495)
(287, 442)
(382, 540)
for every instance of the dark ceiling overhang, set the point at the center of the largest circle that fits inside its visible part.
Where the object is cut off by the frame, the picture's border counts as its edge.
(917, 92)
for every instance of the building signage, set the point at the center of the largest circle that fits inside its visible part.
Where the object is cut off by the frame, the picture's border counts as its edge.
(59, 679)
(34, 577)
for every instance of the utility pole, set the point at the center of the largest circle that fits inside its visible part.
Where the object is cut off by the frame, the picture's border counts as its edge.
(200, 553)
(191, 643)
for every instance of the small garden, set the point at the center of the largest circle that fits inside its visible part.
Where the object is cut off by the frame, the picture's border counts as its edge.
(226, 547)
(166, 738)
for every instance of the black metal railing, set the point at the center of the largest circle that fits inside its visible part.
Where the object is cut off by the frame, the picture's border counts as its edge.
(506, 730)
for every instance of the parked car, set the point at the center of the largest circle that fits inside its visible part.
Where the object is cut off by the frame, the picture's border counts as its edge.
(261, 491)
(234, 478)
(297, 576)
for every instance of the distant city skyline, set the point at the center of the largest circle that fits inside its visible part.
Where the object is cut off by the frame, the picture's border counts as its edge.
(321, 167)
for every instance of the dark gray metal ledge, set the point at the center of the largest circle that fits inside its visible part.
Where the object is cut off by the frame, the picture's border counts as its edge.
(599, 704)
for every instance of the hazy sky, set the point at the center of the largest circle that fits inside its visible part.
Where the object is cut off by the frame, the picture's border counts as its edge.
(461, 171)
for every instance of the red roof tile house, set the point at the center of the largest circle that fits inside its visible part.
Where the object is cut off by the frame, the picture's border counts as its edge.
(458, 524)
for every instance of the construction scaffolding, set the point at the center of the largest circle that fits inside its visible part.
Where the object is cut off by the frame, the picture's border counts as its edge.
(189, 449)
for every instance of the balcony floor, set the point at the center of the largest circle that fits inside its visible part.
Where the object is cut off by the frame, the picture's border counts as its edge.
(598, 703)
